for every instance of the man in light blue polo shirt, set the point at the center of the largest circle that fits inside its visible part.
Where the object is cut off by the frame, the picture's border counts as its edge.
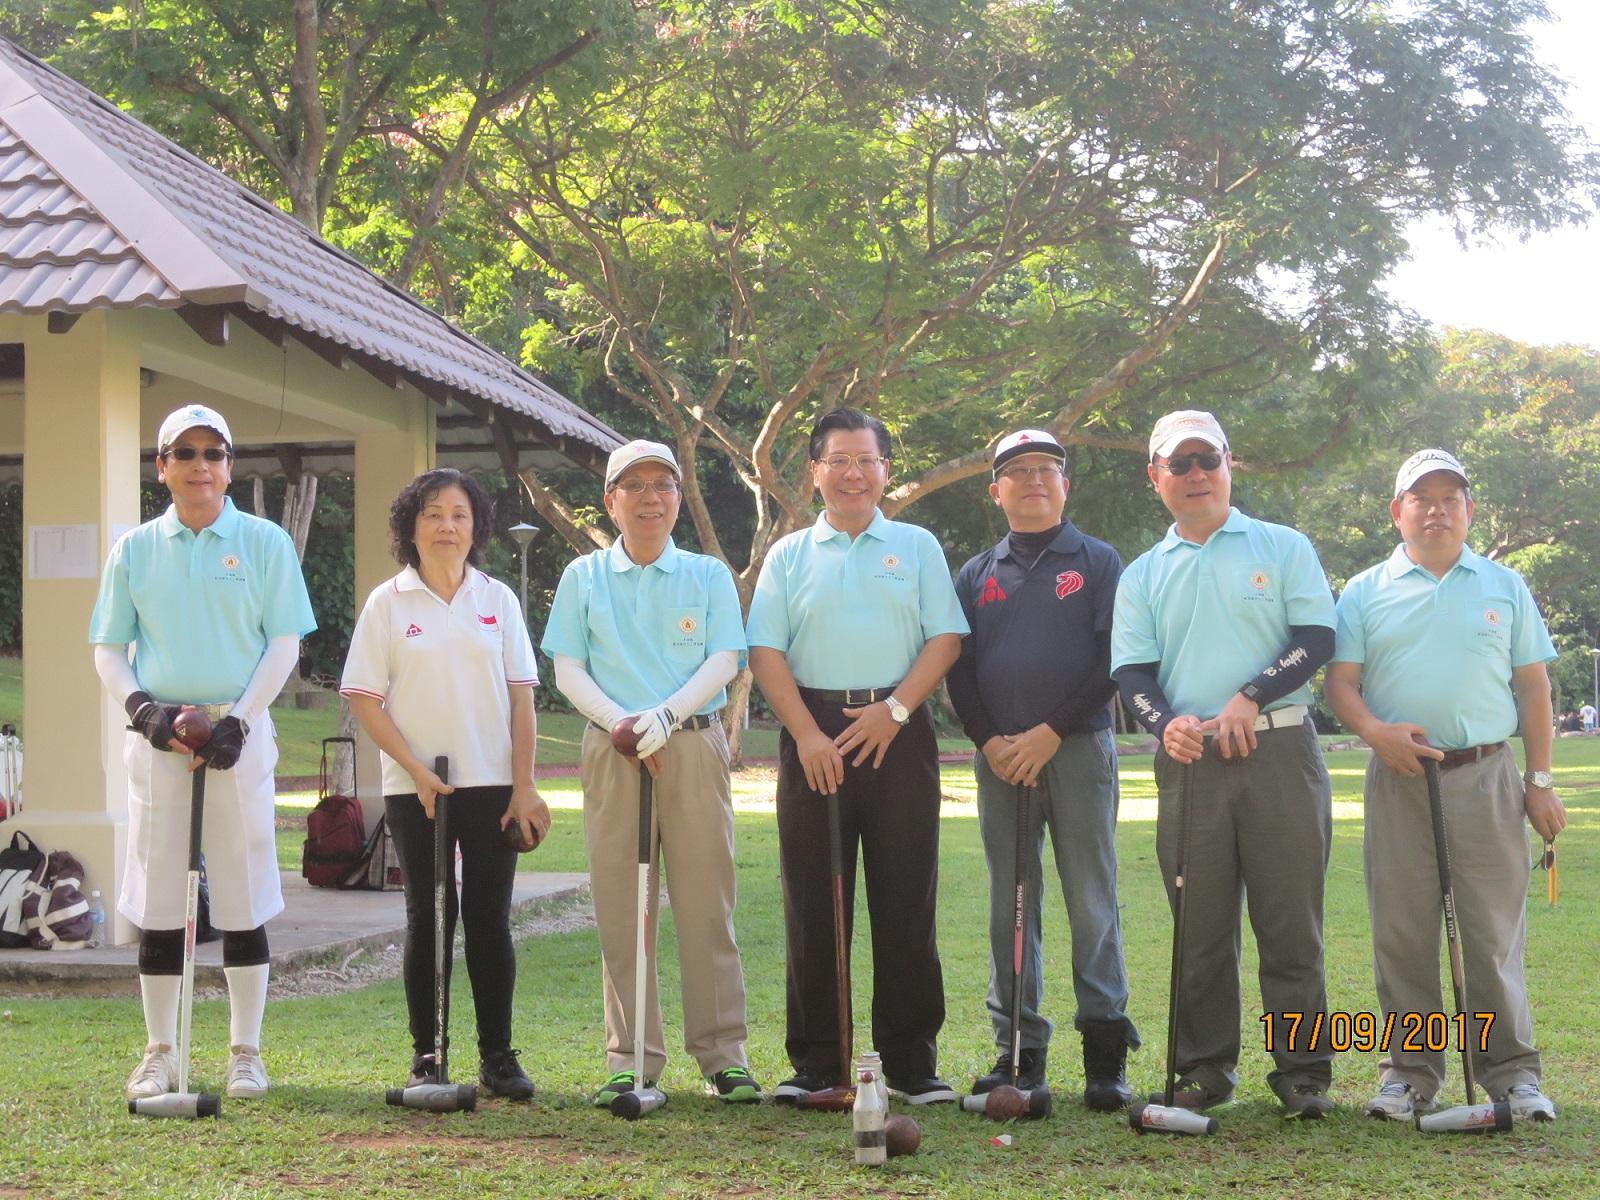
(1216, 634)
(646, 631)
(1441, 655)
(853, 624)
(214, 605)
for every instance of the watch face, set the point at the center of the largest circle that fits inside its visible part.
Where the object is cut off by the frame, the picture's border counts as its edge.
(900, 713)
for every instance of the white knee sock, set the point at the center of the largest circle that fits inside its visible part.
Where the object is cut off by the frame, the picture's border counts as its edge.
(247, 1001)
(160, 994)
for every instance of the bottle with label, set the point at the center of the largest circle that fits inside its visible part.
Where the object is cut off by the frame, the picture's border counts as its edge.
(97, 914)
(871, 1061)
(868, 1115)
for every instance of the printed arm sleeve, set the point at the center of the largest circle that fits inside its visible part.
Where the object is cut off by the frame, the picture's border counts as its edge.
(579, 687)
(1083, 705)
(116, 672)
(267, 680)
(714, 674)
(1141, 692)
(1309, 647)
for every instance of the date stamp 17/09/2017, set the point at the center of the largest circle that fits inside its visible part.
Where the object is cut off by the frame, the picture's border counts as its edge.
(1410, 1032)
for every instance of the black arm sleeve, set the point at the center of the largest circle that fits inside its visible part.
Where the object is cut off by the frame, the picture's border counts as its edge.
(963, 684)
(1087, 702)
(1309, 647)
(1144, 697)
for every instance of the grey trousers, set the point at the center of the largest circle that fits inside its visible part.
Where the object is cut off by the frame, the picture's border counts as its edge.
(1077, 799)
(1490, 866)
(1260, 834)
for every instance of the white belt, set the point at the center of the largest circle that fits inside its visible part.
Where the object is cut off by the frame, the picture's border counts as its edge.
(1281, 718)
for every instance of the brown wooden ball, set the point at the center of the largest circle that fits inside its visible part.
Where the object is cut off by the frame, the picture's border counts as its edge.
(191, 727)
(901, 1135)
(1005, 1103)
(515, 839)
(623, 739)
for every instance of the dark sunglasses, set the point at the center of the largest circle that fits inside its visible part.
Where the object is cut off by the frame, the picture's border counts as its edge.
(212, 454)
(1179, 464)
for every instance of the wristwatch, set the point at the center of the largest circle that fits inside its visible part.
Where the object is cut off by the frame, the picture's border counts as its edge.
(1539, 779)
(898, 711)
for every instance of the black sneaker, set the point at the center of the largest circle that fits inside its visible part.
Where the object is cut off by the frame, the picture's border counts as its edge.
(801, 1083)
(1194, 1096)
(503, 1075)
(924, 1091)
(421, 1070)
(1030, 1072)
(734, 1085)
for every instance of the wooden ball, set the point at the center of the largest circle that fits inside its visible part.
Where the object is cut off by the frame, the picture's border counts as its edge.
(901, 1135)
(1006, 1103)
(515, 839)
(191, 727)
(623, 739)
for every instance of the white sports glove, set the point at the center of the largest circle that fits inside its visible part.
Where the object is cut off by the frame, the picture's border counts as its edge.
(654, 727)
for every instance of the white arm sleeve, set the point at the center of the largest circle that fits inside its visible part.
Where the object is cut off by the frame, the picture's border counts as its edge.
(576, 684)
(705, 683)
(116, 672)
(277, 660)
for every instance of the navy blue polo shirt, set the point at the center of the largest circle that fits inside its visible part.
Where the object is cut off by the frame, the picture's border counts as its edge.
(1036, 627)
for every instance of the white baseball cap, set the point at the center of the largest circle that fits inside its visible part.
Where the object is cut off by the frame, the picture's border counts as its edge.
(1424, 462)
(191, 416)
(632, 453)
(1027, 441)
(1178, 427)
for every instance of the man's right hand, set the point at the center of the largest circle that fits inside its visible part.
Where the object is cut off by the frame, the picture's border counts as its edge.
(821, 761)
(152, 720)
(1184, 739)
(1000, 750)
(1402, 747)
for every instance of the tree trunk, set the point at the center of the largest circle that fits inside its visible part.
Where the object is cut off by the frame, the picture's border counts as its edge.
(258, 497)
(733, 716)
(299, 502)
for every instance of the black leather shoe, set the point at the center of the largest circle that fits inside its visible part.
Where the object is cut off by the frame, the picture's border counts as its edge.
(1030, 1071)
(1105, 1060)
(503, 1075)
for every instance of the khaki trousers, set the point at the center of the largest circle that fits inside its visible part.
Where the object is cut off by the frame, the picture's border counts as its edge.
(693, 830)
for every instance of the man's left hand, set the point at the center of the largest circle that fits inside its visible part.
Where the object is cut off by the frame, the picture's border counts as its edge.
(1235, 726)
(871, 731)
(1032, 749)
(1546, 813)
(225, 746)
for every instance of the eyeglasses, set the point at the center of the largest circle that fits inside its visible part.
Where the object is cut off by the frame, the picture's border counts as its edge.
(1045, 472)
(212, 454)
(841, 462)
(1179, 464)
(637, 487)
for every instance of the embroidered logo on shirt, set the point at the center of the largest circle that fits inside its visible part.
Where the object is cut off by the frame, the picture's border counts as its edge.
(991, 592)
(1068, 582)
(688, 625)
(1258, 580)
(891, 561)
(413, 630)
(488, 622)
(1492, 616)
(230, 561)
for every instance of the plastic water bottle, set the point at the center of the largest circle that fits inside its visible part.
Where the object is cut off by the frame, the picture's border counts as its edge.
(97, 914)
(868, 1116)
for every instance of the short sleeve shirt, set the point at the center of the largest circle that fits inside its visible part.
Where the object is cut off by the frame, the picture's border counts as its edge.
(201, 607)
(854, 612)
(1439, 652)
(443, 670)
(642, 632)
(1214, 615)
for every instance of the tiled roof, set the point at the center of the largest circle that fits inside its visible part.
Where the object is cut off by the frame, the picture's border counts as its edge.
(99, 211)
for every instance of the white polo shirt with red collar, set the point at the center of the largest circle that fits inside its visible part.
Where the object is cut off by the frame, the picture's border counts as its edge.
(443, 670)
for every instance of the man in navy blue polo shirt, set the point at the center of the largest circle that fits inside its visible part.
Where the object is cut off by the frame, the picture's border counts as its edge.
(1032, 688)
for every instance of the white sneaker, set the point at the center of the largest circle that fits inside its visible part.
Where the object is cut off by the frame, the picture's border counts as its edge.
(1398, 1101)
(156, 1075)
(1528, 1103)
(247, 1078)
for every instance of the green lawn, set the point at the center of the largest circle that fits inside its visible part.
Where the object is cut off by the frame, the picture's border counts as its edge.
(324, 1131)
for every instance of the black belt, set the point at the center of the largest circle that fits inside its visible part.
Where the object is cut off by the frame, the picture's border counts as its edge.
(851, 697)
(1460, 758)
(701, 722)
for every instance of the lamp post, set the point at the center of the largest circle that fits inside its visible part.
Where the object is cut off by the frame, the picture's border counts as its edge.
(1595, 656)
(522, 533)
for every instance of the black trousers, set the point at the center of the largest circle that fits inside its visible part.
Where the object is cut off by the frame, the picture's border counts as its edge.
(487, 868)
(893, 814)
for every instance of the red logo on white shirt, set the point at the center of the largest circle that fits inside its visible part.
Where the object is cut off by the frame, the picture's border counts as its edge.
(413, 630)
(1066, 583)
(489, 621)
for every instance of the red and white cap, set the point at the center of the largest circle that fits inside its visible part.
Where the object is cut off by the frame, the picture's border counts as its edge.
(1027, 441)
(1425, 462)
(631, 454)
(191, 416)
(1178, 427)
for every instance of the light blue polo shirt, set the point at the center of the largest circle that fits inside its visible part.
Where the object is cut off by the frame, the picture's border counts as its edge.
(641, 632)
(1439, 652)
(854, 613)
(1215, 615)
(200, 608)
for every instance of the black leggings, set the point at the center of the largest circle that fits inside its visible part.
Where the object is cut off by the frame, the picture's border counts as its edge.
(488, 866)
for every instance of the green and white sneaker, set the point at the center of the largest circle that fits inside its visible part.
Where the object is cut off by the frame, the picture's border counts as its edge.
(618, 1084)
(734, 1085)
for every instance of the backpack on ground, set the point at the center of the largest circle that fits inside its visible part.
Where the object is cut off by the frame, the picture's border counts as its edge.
(18, 862)
(54, 907)
(379, 868)
(336, 835)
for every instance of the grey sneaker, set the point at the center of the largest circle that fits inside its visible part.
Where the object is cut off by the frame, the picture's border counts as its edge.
(1398, 1101)
(1528, 1103)
(247, 1077)
(156, 1075)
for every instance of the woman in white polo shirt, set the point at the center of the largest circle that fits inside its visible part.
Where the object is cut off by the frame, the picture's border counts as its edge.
(440, 664)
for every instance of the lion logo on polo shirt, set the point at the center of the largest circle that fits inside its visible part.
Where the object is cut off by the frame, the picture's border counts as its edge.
(1068, 582)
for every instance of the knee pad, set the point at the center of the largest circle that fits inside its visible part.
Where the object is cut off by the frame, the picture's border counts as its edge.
(244, 948)
(161, 952)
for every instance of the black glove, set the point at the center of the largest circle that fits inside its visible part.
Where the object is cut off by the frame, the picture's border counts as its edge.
(151, 719)
(226, 744)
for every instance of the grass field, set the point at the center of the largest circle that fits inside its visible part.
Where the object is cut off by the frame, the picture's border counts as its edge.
(324, 1131)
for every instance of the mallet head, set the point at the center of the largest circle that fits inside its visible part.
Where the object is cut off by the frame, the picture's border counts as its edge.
(1006, 1103)
(1467, 1118)
(630, 1106)
(187, 1105)
(841, 1098)
(1158, 1118)
(435, 1097)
